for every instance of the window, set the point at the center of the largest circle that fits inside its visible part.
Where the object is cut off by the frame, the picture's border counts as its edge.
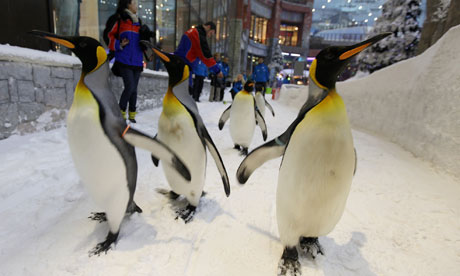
(258, 30)
(165, 10)
(288, 35)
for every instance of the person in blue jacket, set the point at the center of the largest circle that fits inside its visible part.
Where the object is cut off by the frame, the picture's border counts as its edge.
(225, 70)
(261, 75)
(201, 71)
(237, 85)
(124, 41)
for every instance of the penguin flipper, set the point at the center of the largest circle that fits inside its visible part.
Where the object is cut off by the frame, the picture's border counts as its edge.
(269, 107)
(261, 122)
(217, 158)
(158, 149)
(259, 156)
(224, 117)
(155, 161)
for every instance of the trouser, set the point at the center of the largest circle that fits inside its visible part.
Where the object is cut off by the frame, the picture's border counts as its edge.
(222, 90)
(214, 94)
(130, 82)
(197, 87)
(261, 86)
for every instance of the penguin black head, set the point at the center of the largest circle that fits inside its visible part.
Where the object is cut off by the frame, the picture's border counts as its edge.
(249, 86)
(87, 49)
(331, 61)
(178, 70)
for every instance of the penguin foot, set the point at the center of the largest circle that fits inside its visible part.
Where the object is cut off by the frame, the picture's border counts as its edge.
(289, 264)
(133, 208)
(98, 216)
(187, 213)
(311, 247)
(104, 246)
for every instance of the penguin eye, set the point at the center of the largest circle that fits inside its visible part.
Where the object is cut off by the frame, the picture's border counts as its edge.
(82, 44)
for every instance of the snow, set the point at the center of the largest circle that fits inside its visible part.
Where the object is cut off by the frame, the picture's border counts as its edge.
(15, 53)
(414, 103)
(401, 218)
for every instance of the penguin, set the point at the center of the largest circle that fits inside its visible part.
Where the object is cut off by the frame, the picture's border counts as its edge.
(101, 143)
(262, 102)
(243, 114)
(181, 128)
(319, 160)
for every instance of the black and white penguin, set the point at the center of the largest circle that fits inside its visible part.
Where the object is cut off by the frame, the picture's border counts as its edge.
(243, 114)
(101, 143)
(318, 162)
(181, 128)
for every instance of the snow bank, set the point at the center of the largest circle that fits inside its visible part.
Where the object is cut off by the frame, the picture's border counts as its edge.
(20, 54)
(415, 103)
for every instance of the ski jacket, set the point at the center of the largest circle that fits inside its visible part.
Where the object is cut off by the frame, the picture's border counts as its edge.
(261, 73)
(237, 86)
(225, 68)
(199, 68)
(193, 45)
(131, 54)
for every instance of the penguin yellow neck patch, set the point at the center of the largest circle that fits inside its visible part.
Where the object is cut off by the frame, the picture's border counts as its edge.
(101, 57)
(186, 73)
(313, 74)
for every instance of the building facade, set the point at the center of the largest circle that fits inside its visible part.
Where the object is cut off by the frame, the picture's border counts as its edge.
(246, 29)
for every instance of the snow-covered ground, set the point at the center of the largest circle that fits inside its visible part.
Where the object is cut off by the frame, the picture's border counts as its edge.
(402, 216)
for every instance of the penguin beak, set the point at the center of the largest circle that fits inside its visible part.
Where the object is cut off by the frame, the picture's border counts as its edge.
(62, 40)
(157, 51)
(357, 48)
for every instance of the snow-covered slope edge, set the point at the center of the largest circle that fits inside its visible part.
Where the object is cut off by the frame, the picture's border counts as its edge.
(415, 103)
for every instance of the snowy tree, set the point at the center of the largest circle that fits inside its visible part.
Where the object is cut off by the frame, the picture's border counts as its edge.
(276, 63)
(400, 18)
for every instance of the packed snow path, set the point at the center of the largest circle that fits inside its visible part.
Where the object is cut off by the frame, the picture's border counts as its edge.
(401, 218)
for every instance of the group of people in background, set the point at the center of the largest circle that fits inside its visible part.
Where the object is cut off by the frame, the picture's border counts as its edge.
(124, 41)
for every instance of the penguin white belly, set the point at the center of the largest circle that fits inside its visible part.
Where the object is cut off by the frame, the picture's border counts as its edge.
(260, 101)
(98, 162)
(242, 120)
(179, 133)
(314, 180)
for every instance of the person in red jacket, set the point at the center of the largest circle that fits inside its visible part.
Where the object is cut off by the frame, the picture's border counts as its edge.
(193, 45)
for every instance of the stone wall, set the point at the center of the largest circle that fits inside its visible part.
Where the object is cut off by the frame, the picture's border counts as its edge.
(36, 95)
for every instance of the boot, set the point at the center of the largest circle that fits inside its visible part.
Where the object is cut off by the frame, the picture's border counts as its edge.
(132, 115)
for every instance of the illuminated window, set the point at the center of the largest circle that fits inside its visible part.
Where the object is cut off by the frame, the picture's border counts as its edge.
(258, 30)
(289, 35)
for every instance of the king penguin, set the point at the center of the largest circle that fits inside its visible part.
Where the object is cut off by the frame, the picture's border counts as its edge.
(318, 162)
(243, 114)
(262, 102)
(101, 143)
(181, 128)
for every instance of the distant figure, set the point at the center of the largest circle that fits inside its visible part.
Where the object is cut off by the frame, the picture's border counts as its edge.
(261, 74)
(225, 70)
(124, 41)
(216, 81)
(237, 85)
(193, 45)
(201, 71)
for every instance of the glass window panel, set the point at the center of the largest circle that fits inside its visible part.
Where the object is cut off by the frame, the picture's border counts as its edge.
(165, 20)
(183, 22)
(195, 13)
(202, 10)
